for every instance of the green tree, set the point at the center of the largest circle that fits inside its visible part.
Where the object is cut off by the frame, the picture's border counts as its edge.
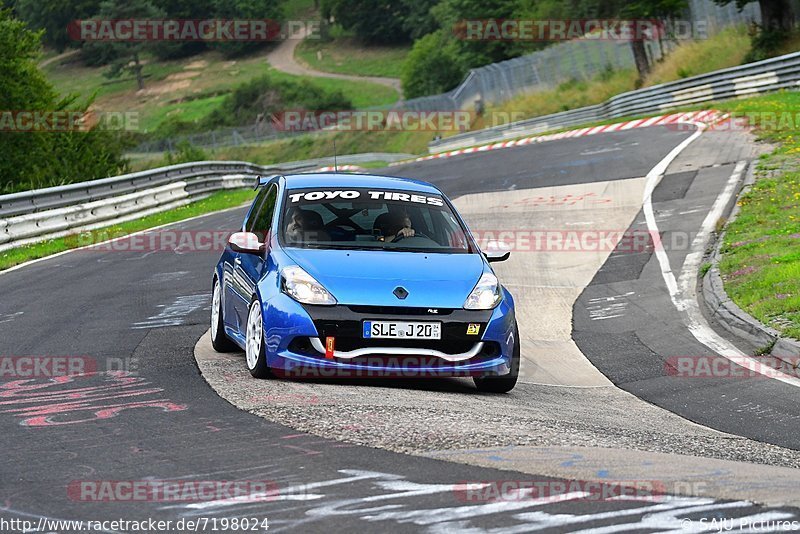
(418, 19)
(557, 10)
(245, 9)
(54, 17)
(432, 66)
(439, 60)
(23, 88)
(126, 56)
(38, 159)
(648, 9)
(183, 10)
(776, 15)
(373, 21)
(777, 23)
(450, 13)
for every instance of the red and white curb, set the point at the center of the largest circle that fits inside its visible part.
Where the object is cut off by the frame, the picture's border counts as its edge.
(350, 168)
(709, 117)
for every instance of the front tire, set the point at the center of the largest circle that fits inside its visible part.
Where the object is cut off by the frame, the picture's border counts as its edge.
(219, 340)
(255, 348)
(505, 383)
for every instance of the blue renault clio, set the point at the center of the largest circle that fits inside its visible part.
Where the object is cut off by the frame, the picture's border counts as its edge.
(347, 275)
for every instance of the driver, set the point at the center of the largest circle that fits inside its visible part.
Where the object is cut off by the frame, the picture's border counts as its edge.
(396, 225)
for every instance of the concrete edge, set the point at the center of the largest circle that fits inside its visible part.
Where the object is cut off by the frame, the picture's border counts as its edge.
(677, 474)
(730, 316)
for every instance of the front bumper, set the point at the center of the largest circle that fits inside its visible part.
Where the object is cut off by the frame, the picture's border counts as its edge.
(296, 334)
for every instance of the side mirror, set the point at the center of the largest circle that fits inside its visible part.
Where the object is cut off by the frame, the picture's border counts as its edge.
(246, 243)
(497, 251)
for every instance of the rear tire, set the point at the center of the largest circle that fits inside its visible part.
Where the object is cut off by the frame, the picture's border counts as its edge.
(255, 348)
(219, 340)
(505, 383)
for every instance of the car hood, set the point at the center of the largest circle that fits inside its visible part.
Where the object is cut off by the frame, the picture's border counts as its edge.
(367, 277)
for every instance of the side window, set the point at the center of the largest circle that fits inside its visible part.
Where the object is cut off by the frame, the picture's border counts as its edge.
(257, 202)
(261, 221)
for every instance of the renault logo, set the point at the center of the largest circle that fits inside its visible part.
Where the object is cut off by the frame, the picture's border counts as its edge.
(400, 292)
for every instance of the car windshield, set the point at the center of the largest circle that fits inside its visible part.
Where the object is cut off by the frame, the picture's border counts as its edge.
(371, 219)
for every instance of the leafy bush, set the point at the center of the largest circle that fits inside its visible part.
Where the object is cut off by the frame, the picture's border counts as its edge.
(766, 43)
(432, 66)
(265, 96)
(258, 100)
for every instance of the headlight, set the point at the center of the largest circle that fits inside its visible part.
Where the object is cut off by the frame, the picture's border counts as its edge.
(486, 294)
(302, 287)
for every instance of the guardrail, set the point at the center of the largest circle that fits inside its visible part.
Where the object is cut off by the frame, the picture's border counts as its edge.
(765, 76)
(32, 216)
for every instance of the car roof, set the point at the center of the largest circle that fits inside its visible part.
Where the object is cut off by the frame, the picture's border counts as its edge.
(333, 179)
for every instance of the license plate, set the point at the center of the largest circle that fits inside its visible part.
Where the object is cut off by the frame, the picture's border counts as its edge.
(402, 330)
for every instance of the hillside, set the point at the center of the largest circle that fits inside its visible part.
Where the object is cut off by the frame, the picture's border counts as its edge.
(190, 88)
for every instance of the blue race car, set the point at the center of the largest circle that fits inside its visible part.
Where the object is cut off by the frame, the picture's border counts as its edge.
(341, 275)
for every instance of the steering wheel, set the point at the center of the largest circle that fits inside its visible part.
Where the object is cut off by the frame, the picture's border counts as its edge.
(400, 236)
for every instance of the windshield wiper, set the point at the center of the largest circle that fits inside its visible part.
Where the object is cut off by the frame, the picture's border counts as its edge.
(413, 249)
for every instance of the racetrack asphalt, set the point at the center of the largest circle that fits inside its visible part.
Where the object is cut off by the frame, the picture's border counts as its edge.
(136, 317)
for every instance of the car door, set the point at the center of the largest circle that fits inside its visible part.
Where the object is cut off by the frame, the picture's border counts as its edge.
(231, 286)
(249, 268)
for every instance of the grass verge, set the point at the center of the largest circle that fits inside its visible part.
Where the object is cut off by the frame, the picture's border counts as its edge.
(760, 263)
(216, 202)
(344, 55)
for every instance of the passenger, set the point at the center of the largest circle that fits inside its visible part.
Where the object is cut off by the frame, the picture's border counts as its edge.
(306, 226)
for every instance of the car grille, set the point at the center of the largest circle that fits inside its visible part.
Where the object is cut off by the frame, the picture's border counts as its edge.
(302, 345)
(428, 313)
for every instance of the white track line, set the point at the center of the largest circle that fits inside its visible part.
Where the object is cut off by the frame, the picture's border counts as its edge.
(683, 295)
